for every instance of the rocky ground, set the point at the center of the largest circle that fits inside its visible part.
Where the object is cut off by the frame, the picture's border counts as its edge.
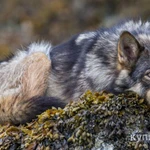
(98, 121)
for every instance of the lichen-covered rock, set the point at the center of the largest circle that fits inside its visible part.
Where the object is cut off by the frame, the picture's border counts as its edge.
(98, 121)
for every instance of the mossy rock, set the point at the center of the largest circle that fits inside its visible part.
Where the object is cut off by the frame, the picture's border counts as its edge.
(98, 121)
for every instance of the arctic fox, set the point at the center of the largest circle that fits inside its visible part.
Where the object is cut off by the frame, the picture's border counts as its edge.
(113, 59)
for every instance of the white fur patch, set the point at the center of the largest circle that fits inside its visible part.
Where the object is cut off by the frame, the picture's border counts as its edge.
(136, 26)
(144, 38)
(84, 36)
(148, 96)
(9, 92)
(123, 75)
(34, 47)
(3, 63)
(40, 47)
(137, 88)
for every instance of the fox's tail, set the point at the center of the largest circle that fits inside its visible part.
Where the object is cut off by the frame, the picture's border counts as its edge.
(16, 111)
(23, 83)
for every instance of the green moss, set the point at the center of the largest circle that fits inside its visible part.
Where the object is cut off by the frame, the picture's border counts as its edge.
(81, 124)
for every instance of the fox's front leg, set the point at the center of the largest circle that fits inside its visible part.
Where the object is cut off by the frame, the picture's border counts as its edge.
(22, 88)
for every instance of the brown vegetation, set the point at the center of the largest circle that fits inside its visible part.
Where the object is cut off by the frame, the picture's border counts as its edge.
(22, 22)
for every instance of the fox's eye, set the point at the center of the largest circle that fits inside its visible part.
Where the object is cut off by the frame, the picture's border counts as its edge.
(147, 75)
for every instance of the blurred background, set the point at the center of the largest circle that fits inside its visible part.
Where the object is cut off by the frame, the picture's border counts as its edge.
(22, 22)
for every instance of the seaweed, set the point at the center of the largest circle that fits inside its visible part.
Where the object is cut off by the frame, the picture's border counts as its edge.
(96, 121)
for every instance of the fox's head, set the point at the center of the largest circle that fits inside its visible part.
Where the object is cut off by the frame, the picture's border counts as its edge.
(134, 64)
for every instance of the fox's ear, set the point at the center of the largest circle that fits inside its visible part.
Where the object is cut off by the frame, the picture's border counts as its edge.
(128, 51)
